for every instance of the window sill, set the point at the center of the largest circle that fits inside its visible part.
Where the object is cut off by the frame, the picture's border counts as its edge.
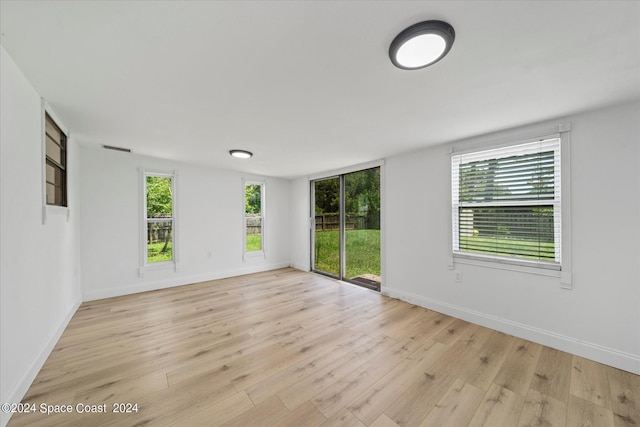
(160, 265)
(52, 210)
(497, 264)
(156, 266)
(254, 254)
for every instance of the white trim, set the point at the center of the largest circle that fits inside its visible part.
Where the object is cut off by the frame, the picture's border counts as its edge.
(134, 288)
(175, 209)
(301, 267)
(505, 138)
(383, 227)
(565, 206)
(345, 170)
(57, 210)
(142, 215)
(507, 264)
(312, 224)
(19, 391)
(609, 356)
(43, 158)
(451, 264)
(55, 117)
(254, 254)
(243, 205)
(485, 150)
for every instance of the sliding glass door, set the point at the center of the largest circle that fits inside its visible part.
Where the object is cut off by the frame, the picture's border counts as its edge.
(346, 232)
(362, 228)
(326, 237)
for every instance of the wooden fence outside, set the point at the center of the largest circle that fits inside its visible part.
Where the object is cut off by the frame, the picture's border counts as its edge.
(327, 222)
(158, 232)
(254, 225)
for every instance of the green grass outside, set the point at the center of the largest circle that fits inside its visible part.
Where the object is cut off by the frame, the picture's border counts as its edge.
(526, 249)
(362, 249)
(155, 254)
(254, 242)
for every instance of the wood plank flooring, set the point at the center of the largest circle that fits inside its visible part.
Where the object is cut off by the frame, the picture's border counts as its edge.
(289, 348)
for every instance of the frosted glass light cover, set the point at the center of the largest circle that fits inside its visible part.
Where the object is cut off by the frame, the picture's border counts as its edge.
(241, 154)
(421, 50)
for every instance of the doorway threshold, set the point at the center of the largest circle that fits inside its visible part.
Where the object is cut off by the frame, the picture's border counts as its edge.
(364, 282)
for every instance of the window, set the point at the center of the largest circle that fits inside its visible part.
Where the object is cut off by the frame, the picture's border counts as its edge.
(55, 163)
(253, 217)
(159, 218)
(506, 204)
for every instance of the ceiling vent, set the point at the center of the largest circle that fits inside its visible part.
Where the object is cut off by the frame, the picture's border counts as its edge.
(111, 147)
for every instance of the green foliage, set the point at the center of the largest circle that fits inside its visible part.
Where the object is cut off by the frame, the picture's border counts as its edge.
(327, 251)
(253, 198)
(362, 193)
(159, 197)
(363, 252)
(155, 252)
(327, 196)
(254, 242)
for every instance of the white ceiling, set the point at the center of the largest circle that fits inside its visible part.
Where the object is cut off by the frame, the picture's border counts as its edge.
(308, 86)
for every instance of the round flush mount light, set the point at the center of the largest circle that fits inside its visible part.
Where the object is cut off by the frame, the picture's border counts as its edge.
(421, 44)
(241, 154)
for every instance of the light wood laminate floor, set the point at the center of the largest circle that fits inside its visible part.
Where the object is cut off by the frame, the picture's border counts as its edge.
(289, 348)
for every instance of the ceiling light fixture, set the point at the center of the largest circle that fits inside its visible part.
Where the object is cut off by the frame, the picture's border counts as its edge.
(421, 44)
(241, 154)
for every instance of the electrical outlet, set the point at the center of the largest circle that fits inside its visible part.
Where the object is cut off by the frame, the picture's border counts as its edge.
(459, 276)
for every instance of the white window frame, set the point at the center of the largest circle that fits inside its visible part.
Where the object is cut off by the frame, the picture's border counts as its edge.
(174, 263)
(563, 270)
(262, 252)
(49, 210)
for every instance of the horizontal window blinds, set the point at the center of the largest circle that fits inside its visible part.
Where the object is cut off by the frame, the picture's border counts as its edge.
(506, 202)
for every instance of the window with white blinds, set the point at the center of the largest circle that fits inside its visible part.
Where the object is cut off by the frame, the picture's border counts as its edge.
(506, 203)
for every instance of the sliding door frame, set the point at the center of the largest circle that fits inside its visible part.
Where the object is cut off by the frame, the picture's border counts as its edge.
(340, 174)
(312, 199)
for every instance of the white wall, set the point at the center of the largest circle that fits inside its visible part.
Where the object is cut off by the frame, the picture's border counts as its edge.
(39, 263)
(599, 317)
(209, 204)
(300, 228)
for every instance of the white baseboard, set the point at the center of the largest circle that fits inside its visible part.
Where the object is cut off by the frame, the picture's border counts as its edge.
(20, 390)
(134, 288)
(301, 267)
(608, 356)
